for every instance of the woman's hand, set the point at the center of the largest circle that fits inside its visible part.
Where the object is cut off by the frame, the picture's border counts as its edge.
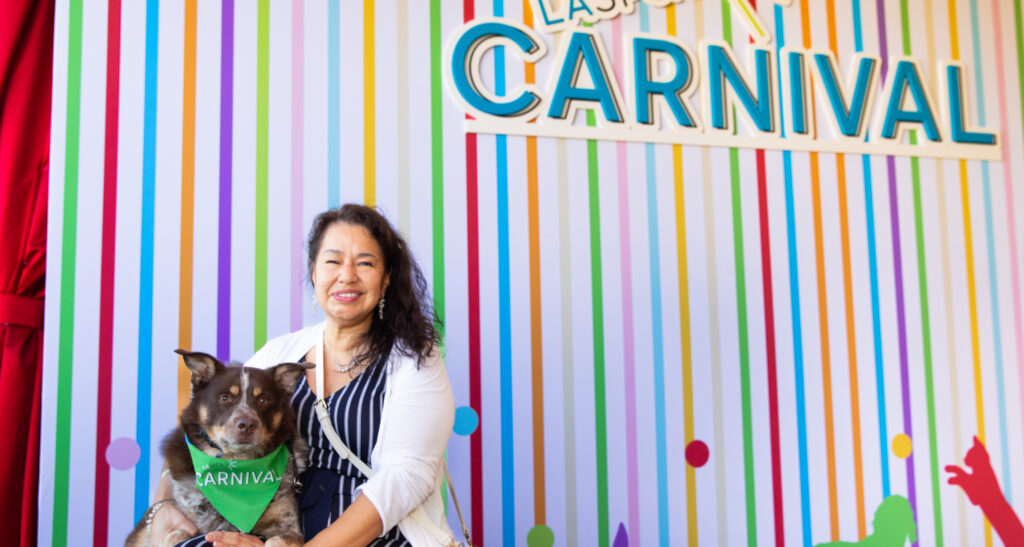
(169, 519)
(233, 539)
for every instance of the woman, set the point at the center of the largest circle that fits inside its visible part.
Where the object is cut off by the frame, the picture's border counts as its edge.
(387, 390)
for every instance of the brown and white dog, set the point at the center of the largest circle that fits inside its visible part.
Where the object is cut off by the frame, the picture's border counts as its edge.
(237, 413)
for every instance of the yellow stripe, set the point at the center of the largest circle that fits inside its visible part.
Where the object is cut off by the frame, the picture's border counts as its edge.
(684, 316)
(972, 298)
(188, 155)
(369, 137)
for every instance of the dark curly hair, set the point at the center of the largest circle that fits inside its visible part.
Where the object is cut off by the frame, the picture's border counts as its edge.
(410, 325)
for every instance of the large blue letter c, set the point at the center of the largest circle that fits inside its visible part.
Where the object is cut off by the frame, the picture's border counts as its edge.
(466, 47)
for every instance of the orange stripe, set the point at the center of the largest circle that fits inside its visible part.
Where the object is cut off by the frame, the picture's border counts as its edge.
(851, 339)
(188, 153)
(536, 340)
(826, 366)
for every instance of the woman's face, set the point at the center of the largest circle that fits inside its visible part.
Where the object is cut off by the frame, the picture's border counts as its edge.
(349, 276)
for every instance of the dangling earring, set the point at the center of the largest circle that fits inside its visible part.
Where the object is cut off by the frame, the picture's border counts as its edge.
(380, 308)
(312, 308)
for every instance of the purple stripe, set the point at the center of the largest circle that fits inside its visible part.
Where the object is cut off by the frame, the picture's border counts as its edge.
(897, 256)
(227, 60)
(297, 175)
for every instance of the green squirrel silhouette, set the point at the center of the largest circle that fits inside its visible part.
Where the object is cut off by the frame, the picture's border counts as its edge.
(893, 525)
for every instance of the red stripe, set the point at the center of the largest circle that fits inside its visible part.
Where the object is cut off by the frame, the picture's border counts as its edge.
(769, 331)
(476, 447)
(769, 335)
(103, 399)
(473, 257)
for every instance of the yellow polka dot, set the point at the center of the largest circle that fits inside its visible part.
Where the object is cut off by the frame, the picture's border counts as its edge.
(901, 446)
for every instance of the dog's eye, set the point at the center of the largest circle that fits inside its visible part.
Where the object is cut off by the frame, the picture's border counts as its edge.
(224, 397)
(263, 399)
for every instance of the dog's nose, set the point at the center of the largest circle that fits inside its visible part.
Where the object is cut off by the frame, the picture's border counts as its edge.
(245, 425)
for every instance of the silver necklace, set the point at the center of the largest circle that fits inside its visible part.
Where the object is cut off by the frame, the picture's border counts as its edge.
(345, 368)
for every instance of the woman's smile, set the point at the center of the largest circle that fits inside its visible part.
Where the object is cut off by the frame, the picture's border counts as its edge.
(346, 297)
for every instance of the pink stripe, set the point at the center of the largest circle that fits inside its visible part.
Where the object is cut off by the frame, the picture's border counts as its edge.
(1008, 180)
(632, 474)
(298, 268)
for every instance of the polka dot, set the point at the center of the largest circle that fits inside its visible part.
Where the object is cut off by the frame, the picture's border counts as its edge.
(901, 446)
(540, 536)
(123, 453)
(466, 421)
(697, 453)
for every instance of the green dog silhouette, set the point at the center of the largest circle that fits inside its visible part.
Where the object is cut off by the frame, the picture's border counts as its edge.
(893, 525)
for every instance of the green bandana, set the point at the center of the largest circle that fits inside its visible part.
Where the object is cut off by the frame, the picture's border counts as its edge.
(240, 490)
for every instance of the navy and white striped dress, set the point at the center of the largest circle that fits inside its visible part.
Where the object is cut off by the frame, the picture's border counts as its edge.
(329, 483)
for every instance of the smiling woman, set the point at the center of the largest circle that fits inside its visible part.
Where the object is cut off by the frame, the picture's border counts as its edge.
(386, 391)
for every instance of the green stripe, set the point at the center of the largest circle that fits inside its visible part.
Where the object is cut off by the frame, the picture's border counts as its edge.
(926, 330)
(1017, 19)
(65, 348)
(741, 312)
(600, 410)
(262, 107)
(437, 163)
(926, 334)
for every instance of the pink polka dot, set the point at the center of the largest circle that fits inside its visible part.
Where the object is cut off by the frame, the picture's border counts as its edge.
(123, 453)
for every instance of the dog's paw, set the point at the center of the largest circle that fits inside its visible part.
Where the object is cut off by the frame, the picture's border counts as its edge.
(174, 538)
(284, 541)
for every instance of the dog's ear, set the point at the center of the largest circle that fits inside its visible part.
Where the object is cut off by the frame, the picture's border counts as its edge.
(203, 366)
(287, 375)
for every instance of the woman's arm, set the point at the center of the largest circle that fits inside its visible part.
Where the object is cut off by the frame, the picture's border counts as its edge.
(415, 427)
(168, 518)
(358, 525)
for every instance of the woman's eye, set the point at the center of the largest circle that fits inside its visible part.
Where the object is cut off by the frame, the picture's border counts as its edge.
(332, 261)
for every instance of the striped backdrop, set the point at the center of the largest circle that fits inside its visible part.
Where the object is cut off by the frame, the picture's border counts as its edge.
(605, 304)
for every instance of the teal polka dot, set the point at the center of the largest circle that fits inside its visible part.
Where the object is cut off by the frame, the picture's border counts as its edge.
(540, 536)
(466, 421)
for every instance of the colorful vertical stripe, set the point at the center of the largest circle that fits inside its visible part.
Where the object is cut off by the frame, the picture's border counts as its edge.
(298, 267)
(795, 319)
(145, 327)
(66, 320)
(104, 361)
(897, 255)
(227, 65)
(1008, 176)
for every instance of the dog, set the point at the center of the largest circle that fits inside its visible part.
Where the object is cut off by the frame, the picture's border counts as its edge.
(235, 413)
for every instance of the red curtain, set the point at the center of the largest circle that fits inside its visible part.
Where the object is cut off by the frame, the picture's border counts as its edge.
(26, 65)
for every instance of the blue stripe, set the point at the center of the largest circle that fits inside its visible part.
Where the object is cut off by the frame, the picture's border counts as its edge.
(656, 328)
(145, 356)
(794, 301)
(883, 433)
(333, 104)
(508, 471)
(993, 282)
(656, 334)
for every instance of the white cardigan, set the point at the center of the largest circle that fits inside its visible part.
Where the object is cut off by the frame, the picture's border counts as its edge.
(416, 421)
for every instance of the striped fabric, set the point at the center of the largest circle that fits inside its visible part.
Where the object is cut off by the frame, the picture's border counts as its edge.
(355, 411)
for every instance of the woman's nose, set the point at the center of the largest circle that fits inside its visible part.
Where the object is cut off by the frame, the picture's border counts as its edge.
(347, 271)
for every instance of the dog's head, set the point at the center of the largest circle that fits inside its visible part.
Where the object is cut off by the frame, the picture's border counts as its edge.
(245, 412)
